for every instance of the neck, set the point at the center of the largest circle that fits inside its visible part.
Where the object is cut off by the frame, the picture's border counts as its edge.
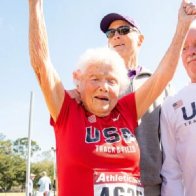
(131, 62)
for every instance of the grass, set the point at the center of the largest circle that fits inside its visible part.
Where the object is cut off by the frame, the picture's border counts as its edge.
(12, 194)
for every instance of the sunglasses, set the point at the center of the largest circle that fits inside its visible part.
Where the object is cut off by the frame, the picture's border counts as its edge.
(123, 30)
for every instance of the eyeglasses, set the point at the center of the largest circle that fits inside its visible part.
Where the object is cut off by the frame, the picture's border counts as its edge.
(123, 30)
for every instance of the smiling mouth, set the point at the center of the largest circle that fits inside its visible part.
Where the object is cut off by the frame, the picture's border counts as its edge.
(102, 98)
(191, 59)
(118, 45)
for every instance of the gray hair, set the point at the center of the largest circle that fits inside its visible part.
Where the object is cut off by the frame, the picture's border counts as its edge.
(44, 173)
(104, 56)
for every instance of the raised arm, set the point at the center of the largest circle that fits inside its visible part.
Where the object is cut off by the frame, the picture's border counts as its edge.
(48, 79)
(152, 88)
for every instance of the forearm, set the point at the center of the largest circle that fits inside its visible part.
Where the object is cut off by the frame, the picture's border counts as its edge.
(48, 79)
(38, 41)
(165, 71)
(163, 74)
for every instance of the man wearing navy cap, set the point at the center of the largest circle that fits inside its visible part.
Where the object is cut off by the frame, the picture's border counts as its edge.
(125, 37)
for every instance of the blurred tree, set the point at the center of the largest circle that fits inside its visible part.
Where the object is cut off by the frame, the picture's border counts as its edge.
(13, 163)
(2, 136)
(12, 171)
(20, 147)
(5, 147)
(43, 156)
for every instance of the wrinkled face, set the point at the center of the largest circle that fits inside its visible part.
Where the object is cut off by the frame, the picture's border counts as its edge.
(189, 54)
(126, 45)
(99, 89)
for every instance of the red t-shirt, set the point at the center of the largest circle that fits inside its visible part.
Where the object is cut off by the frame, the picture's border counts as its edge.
(96, 156)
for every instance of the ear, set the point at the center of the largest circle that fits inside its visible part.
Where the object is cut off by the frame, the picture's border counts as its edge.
(76, 74)
(108, 45)
(77, 77)
(140, 39)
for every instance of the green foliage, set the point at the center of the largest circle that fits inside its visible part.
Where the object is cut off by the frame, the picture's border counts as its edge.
(13, 163)
(12, 169)
(20, 147)
(5, 147)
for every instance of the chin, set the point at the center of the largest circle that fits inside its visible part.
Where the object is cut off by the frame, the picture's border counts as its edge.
(103, 113)
(121, 51)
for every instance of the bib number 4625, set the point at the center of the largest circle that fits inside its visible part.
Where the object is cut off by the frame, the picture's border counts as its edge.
(118, 190)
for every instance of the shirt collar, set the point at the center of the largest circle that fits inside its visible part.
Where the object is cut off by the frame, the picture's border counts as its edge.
(134, 72)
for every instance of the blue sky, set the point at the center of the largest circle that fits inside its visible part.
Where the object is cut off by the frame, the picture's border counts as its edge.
(73, 27)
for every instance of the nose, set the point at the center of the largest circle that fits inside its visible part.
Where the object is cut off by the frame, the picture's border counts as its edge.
(103, 87)
(115, 34)
(192, 50)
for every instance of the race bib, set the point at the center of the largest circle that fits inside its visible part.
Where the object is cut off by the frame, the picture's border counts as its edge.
(116, 184)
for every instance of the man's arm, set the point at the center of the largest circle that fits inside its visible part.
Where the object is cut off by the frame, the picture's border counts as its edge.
(152, 88)
(48, 79)
(171, 172)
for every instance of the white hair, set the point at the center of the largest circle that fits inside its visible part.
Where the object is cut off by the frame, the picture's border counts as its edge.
(106, 56)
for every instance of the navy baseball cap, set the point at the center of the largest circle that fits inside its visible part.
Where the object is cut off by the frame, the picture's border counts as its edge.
(109, 18)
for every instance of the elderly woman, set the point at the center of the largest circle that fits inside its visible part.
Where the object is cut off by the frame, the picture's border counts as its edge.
(97, 153)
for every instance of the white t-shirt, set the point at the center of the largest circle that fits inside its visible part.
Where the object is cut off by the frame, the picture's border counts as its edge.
(44, 183)
(30, 186)
(178, 135)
